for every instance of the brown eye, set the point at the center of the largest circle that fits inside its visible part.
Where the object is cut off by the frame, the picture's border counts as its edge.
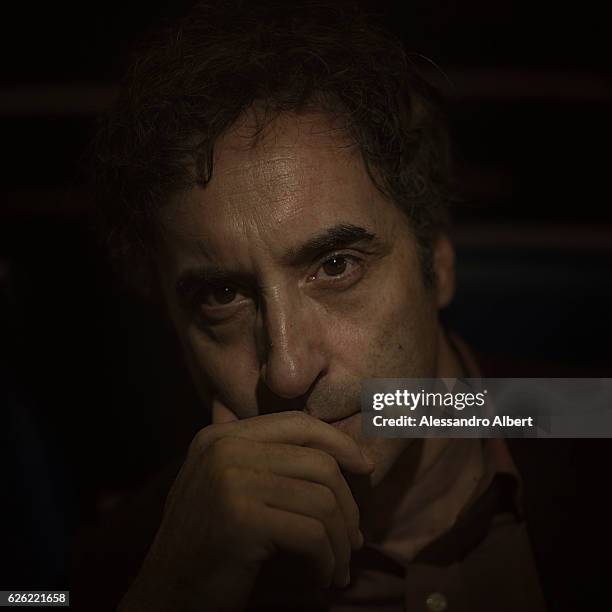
(335, 266)
(223, 295)
(219, 302)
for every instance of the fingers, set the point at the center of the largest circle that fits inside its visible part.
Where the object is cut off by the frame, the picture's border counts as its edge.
(289, 466)
(304, 536)
(312, 500)
(311, 465)
(292, 427)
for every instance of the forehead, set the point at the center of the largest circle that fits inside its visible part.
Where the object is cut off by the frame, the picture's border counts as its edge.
(301, 175)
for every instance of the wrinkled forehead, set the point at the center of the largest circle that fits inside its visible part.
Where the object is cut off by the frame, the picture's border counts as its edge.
(300, 175)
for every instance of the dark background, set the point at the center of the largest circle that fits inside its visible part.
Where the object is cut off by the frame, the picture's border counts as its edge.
(92, 394)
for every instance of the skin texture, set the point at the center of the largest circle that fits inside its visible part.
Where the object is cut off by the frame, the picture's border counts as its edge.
(278, 338)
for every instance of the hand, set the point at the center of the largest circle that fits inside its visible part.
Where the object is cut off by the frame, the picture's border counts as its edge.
(248, 489)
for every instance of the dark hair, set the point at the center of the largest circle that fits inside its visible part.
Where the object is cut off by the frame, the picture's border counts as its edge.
(190, 82)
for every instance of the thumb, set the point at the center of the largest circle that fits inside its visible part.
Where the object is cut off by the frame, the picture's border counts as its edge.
(221, 413)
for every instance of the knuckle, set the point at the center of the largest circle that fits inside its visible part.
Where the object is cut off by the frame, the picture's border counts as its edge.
(229, 477)
(319, 534)
(327, 501)
(203, 439)
(226, 479)
(239, 511)
(322, 548)
(223, 449)
(199, 442)
(232, 500)
(329, 466)
(228, 485)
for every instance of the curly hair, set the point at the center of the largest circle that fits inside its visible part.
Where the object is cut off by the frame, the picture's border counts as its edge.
(190, 82)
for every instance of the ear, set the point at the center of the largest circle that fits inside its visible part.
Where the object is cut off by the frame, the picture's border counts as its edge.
(221, 413)
(444, 268)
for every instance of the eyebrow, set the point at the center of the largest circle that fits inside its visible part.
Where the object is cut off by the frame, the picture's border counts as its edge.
(336, 237)
(339, 236)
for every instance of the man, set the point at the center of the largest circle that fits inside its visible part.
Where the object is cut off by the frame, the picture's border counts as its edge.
(281, 177)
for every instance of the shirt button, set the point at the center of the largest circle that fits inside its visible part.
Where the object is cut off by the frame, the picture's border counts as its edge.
(436, 602)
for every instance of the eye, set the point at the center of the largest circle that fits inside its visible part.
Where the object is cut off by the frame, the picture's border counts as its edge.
(222, 295)
(339, 268)
(218, 302)
(335, 266)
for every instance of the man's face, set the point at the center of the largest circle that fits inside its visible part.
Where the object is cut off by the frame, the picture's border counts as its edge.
(290, 278)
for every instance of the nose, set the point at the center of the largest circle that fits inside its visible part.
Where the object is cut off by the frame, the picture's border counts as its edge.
(290, 345)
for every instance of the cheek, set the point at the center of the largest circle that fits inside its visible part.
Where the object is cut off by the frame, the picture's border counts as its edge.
(231, 372)
(392, 333)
